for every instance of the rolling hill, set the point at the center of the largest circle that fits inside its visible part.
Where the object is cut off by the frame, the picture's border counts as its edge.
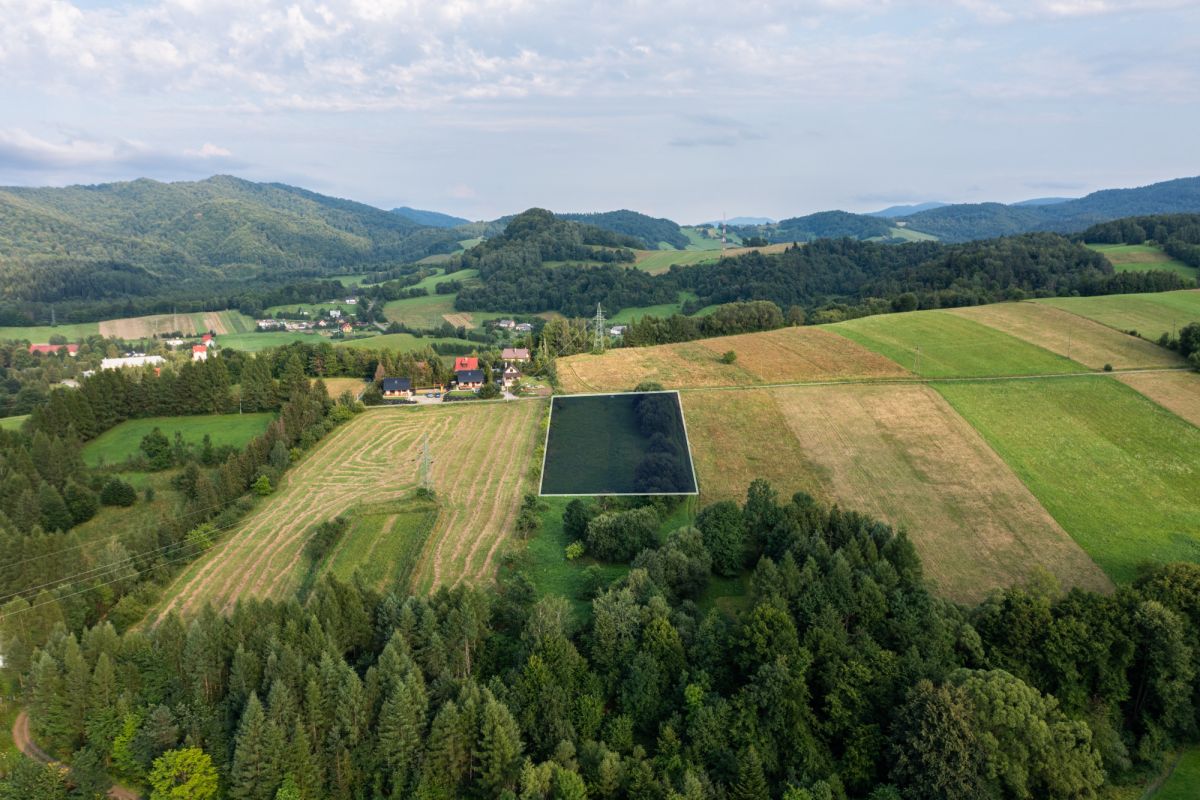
(434, 219)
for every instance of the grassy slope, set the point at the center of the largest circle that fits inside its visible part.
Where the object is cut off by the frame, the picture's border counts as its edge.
(383, 542)
(253, 342)
(402, 342)
(950, 346)
(117, 444)
(1184, 783)
(1151, 315)
(12, 423)
(1142, 257)
(1118, 472)
(627, 315)
(40, 334)
(312, 309)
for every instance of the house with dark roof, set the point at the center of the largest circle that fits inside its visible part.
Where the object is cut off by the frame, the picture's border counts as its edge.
(396, 387)
(515, 354)
(469, 378)
(508, 375)
(465, 363)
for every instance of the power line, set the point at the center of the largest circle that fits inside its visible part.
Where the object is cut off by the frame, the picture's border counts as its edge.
(598, 339)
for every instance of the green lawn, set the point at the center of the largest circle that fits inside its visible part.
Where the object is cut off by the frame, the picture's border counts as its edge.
(950, 346)
(909, 235)
(1142, 257)
(119, 443)
(12, 423)
(40, 334)
(253, 342)
(1151, 315)
(383, 542)
(1117, 471)
(402, 342)
(1184, 783)
(656, 261)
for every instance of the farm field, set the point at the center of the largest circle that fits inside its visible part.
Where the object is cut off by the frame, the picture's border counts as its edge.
(482, 460)
(627, 315)
(189, 324)
(902, 454)
(383, 542)
(1178, 392)
(785, 355)
(657, 262)
(1141, 257)
(12, 423)
(402, 342)
(1151, 315)
(119, 443)
(1063, 333)
(253, 342)
(1117, 471)
(701, 242)
(431, 283)
(909, 235)
(950, 346)
(335, 386)
(40, 334)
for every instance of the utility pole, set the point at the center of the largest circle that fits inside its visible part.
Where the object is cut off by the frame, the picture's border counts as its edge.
(598, 338)
(1070, 333)
(426, 471)
(917, 366)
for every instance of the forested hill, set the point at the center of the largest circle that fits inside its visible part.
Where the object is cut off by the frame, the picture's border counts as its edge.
(142, 237)
(966, 221)
(650, 230)
(434, 219)
(823, 225)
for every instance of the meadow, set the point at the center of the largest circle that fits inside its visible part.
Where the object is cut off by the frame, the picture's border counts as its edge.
(786, 355)
(1069, 335)
(1178, 392)
(897, 452)
(253, 342)
(1184, 781)
(401, 342)
(12, 423)
(383, 542)
(1118, 472)
(189, 324)
(305, 310)
(117, 444)
(1142, 257)
(950, 346)
(40, 334)
(627, 315)
(1151, 315)
(657, 262)
(483, 463)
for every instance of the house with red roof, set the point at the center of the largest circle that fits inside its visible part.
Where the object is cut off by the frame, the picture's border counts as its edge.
(50, 349)
(466, 364)
(199, 352)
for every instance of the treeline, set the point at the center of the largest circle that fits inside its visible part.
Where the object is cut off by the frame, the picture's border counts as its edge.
(842, 678)
(725, 320)
(1177, 234)
(649, 231)
(822, 225)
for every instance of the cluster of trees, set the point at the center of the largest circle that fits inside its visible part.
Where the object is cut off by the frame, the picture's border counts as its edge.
(842, 677)
(822, 225)
(649, 231)
(27, 378)
(727, 319)
(1177, 234)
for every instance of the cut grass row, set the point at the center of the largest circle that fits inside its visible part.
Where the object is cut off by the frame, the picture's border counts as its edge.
(117, 444)
(1151, 315)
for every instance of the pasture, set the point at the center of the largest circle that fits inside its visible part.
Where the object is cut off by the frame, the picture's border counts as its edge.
(786, 355)
(627, 315)
(950, 346)
(1142, 257)
(1151, 315)
(1184, 781)
(402, 342)
(900, 453)
(483, 463)
(1117, 471)
(335, 386)
(433, 281)
(117, 444)
(253, 342)
(40, 334)
(313, 310)
(1069, 335)
(12, 423)
(657, 262)
(1178, 392)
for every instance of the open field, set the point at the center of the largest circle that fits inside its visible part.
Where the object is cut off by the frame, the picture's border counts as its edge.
(1184, 781)
(627, 315)
(950, 346)
(335, 386)
(119, 443)
(1063, 333)
(40, 334)
(656, 262)
(1117, 471)
(909, 235)
(12, 423)
(431, 283)
(780, 356)
(190, 324)
(1142, 257)
(482, 459)
(701, 242)
(253, 342)
(897, 452)
(1151, 315)
(383, 542)
(1178, 392)
(402, 342)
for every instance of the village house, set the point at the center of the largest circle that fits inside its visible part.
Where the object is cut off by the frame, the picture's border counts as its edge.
(49, 349)
(334, 313)
(469, 378)
(347, 327)
(506, 324)
(173, 343)
(351, 301)
(199, 352)
(523, 327)
(132, 361)
(518, 354)
(618, 330)
(466, 363)
(396, 387)
(206, 338)
(509, 375)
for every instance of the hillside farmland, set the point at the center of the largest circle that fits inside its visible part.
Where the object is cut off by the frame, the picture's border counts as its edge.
(1151, 315)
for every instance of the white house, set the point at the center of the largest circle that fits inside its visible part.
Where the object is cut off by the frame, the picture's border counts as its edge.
(335, 312)
(132, 361)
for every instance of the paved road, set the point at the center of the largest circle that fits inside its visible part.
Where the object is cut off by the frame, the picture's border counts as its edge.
(24, 742)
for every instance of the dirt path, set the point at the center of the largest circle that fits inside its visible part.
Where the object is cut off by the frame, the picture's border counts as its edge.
(24, 742)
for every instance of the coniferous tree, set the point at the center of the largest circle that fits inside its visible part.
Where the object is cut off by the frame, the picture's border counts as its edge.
(499, 749)
(255, 773)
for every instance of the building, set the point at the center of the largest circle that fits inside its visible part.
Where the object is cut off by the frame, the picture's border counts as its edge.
(506, 324)
(509, 375)
(618, 330)
(469, 378)
(199, 352)
(50, 349)
(466, 363)
(523, 327)
(172, 343)
(519, 354)
(347, 328)
(207, 338)
(396, 387)
(132, 361)
(351, 301)
(334, 313)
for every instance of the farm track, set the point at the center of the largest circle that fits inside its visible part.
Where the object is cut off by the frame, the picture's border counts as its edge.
(481, 456)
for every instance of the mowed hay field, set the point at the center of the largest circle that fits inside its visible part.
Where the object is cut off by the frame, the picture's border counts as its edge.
(1117, 471)
(220, 322)
(1141, 257)
(900, 453)
(1063, 333)
(950, 346)
(657, 262)
(482, 459)
(1151, 315)
(786, 355)
(1178, 392)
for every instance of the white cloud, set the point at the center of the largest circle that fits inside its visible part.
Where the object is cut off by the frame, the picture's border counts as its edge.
(209, 150)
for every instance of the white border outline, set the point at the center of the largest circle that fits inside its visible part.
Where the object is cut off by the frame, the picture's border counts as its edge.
(686, 438)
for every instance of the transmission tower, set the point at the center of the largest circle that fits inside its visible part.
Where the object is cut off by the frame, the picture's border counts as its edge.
(599, 338)
(425, 473)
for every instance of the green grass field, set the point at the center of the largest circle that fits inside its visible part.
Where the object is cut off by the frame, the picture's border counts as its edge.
(40, 334)
(701, 242)
(658, 261)
(12, 423)
(909, 235)
(1118, 472)
(1184, 782)
(402, 342)
(627, 315)
(1151, 315)
(383, 543)
(119, 443)
(431, 283)
(1142, 257)
(298, 310)
(951, 347)
(253, 342)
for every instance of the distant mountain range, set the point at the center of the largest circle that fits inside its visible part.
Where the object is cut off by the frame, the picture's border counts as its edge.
(740, 221)
(434, 219)
(904, 211)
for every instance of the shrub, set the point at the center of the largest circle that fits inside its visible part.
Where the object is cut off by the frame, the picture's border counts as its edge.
(262, 487)
(201, 537)
(728, 357)
(575, 550)
(1108, 367)
(648, 386)
(82, 502)
(117, 492)
(489, 391)
(620, 535)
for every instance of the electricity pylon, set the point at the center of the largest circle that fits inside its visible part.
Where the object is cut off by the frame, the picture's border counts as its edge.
(598, 340)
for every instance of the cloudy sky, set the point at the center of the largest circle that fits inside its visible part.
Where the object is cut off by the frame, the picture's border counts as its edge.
(682, 109)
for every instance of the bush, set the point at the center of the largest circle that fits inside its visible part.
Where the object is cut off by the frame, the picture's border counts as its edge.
(681, 566)
(82, 502)
(728, 357)
(324, 537)
(117, 492)
(620, 535)
(576, 518)
(648, 386)
(157, 449)
(201, 537)
(575, 550)
(262, 487)
(489, 391)
(1108, 367)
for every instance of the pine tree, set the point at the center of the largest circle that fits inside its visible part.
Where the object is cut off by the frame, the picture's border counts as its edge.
(104, 717)
(53, 513)
(255, 774)
(401, 732)
(499, 750)
(751, 783)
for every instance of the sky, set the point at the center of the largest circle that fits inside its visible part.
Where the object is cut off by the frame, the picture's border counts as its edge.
(680, 109)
